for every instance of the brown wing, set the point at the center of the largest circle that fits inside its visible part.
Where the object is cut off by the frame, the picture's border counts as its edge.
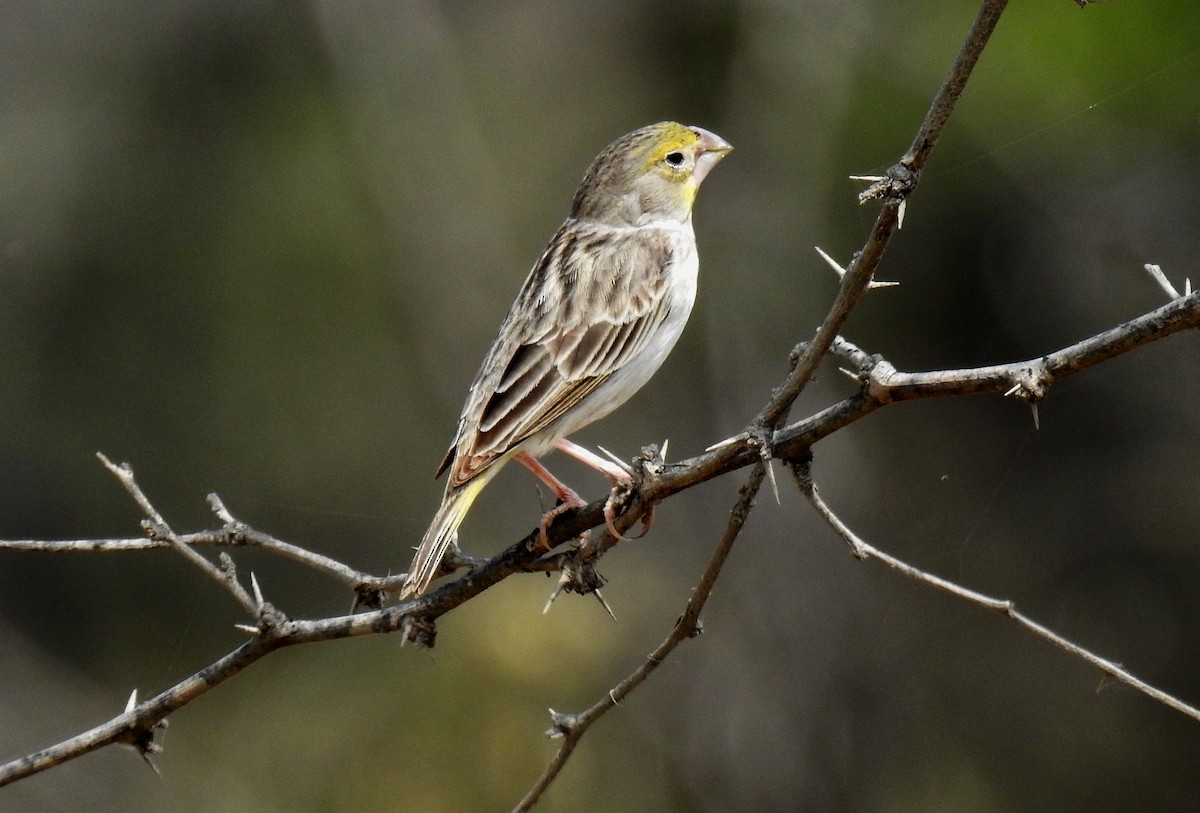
(589, 305)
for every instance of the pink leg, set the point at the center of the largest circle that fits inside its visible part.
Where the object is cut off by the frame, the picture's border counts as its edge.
(565, 495)
(561, 490)
(612, 471)
(619, 478)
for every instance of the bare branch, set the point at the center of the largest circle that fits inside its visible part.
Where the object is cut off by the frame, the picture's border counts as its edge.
(901, 182)
(157, 528)
(234, 534)
(765, 438)
(572, 727)
(882, 384)
(864, 550)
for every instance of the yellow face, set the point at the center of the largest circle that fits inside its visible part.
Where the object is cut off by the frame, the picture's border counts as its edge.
(673, 158)
(653, 172)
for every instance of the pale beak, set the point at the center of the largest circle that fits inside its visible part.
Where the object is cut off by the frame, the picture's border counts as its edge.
(710, 149)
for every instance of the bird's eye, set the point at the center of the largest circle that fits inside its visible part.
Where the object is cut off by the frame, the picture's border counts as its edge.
(675, 159)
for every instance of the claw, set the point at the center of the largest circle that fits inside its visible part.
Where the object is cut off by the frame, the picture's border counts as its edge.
(647, 521)
(548, 518)
(610, 517)
(610, 514)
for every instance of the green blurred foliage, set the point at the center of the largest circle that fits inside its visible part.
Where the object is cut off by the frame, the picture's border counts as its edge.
(258, 249)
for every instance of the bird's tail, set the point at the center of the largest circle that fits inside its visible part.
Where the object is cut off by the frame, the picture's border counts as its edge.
(442, 532)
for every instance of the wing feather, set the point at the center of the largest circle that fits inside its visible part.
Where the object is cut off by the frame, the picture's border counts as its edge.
(590, 305)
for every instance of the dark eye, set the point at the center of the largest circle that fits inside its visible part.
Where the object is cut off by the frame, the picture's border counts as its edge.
(675, 159)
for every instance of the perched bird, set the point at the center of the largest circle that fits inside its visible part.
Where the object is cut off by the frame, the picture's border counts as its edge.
(594, 320)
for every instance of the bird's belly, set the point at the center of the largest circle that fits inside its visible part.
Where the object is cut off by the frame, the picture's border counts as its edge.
(621, 386)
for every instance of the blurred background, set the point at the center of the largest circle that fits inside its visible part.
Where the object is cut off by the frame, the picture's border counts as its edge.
(259, 249)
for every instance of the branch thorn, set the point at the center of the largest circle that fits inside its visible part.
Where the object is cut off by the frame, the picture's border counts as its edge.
(625, 467)
(841, 272)
(720, 444)
(258, 596)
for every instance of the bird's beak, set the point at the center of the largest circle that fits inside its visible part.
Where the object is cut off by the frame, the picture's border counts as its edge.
(710, 149)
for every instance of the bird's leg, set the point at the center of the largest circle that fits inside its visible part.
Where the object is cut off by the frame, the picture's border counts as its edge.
(616, 474)
(567, 497)
(619, 477)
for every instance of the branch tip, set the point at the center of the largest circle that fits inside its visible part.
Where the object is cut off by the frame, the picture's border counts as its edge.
(218, 508)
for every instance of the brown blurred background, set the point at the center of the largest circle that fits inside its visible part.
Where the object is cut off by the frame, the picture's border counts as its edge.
(259, 249)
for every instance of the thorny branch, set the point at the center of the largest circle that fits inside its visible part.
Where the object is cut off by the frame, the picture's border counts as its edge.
(864, 550)
(768, 436)
(571, 727)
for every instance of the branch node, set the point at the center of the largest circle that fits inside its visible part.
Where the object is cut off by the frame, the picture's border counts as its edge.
(270, 619)
(368, 597)
(155, 532)
(796, 354)
(1031, 386)
(578, 576)
(561, 725)
(142, 737)
(420, 631)
(896, 184)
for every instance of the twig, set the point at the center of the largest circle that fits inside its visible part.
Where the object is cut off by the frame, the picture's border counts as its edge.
(864, 550)
(881, 384)
(900, 183)
(237, 535)
(414, 617)
(157, 528)
(571, 727)
(236, 532)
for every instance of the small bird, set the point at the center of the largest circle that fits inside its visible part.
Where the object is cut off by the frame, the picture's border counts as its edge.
(594, 320)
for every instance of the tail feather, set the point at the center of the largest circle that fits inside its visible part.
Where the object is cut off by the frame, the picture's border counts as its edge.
(442, 532)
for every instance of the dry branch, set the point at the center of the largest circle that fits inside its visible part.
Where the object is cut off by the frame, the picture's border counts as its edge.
(767, 436)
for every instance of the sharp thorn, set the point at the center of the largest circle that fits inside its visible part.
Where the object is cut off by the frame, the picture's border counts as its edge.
(726, 442)
(837, 269)
(774, 484)
(625, 467)
(604, 604)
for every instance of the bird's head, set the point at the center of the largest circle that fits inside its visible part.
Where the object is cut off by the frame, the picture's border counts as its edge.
(650, 174)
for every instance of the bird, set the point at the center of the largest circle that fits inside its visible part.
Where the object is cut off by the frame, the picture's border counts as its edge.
(594, 320)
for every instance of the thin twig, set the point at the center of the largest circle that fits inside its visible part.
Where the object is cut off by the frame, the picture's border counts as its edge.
(865, 550)
(240, 536)
(900, 184)
(524, 556)
(572, 727)
(883, 384)
(415, 618)
(237, 532)
(157, 528)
